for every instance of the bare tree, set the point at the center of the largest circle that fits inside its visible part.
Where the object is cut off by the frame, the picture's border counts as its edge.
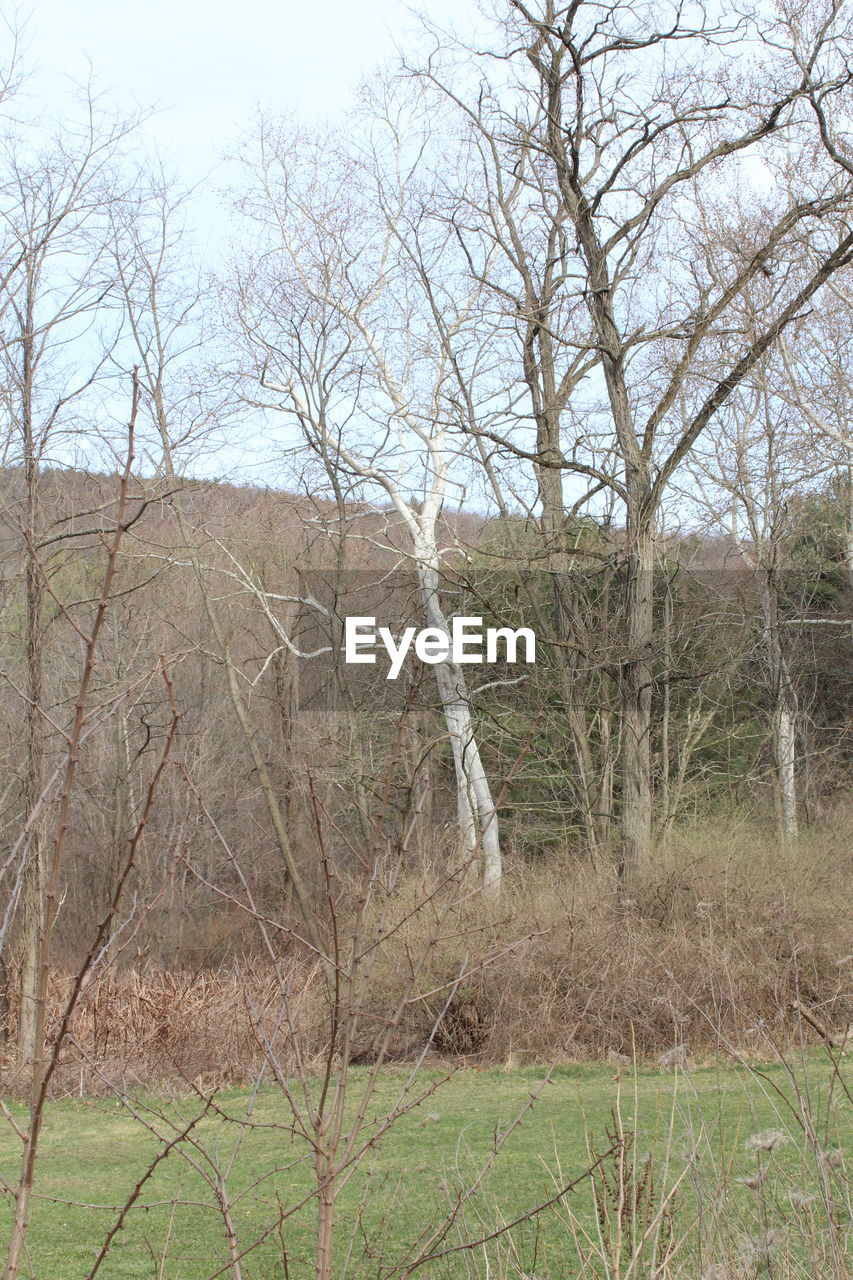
(88, 713)
(747, 472)
(57, 329)
(604, 135)
(756, 462)
(353, 316)
(816, 384)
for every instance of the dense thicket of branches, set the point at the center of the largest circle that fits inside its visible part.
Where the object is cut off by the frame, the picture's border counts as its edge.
(589, 284)
(713, 696)
(588, 288)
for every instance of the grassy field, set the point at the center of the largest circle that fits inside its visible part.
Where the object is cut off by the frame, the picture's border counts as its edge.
(697, 1129)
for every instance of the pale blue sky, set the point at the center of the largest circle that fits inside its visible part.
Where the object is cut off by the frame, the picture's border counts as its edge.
(206, 64)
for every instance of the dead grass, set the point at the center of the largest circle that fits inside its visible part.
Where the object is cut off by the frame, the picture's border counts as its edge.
(725, 940)
(718, 942)
(157, 1029)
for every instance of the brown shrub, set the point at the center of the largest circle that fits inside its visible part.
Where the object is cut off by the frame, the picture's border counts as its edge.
(718, 940)
(723, 941)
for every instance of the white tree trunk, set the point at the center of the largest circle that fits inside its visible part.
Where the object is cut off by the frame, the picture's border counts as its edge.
(784, 722)
(478, 819)
(477, 815)
(786, 764)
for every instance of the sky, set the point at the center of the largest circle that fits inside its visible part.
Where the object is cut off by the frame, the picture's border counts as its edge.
(204, 67)
(207, 64)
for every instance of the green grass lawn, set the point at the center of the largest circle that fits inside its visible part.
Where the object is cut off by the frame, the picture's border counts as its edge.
(697, 1127)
